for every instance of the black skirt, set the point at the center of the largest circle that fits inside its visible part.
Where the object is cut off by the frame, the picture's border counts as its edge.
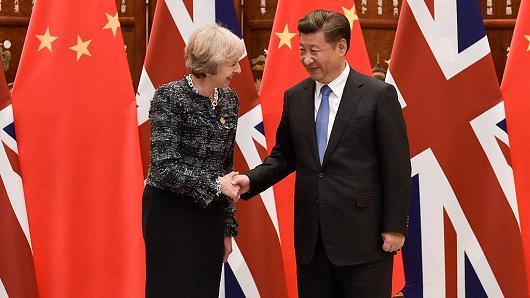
(184, 245)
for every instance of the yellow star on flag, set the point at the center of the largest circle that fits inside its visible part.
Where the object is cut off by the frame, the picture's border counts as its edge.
(528, 38)
(351, 15)
(112, 23)
(46, 40)
(285, 37)
(81, 48)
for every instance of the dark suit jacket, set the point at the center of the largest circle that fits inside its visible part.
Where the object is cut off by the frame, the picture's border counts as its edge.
(361, 189)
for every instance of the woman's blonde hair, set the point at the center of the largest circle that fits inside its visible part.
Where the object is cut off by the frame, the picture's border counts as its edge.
(210, 45)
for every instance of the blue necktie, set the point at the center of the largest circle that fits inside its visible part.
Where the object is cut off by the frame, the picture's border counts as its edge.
(322, 122)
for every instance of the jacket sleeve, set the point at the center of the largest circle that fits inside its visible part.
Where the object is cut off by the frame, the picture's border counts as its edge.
(230, 220)
(167, 170)
(230, 208)
(280, 163)
(394, 157)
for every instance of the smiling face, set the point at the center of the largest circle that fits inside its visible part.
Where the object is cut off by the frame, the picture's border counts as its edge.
(225, 72)
(322, 60)
(213, 54)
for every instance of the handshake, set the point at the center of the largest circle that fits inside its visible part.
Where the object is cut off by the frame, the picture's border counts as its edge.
(233, 185)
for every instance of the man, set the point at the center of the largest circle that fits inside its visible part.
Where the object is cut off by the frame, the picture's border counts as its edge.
(344, 135)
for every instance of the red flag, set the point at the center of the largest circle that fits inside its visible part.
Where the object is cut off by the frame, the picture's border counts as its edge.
(463, 238)
(283, 70)
(255, 266)
(17, 273)
(79, 152)
(516, 91)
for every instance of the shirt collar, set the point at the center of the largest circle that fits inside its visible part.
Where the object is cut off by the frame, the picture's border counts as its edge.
(337, 85)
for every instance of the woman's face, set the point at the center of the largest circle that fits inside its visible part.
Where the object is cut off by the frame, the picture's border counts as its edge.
(225, 72)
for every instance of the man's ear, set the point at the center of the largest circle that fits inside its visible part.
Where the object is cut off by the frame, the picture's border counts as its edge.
(342, 46)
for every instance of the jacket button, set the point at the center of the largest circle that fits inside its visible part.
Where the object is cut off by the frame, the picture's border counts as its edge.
(321, 175)
(316, 201)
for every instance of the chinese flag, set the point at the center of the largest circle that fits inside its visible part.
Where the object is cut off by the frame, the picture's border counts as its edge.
(283, 70)
(79, 153)
(516, 91)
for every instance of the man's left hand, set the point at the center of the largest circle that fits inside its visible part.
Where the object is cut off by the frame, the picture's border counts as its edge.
(393, 241)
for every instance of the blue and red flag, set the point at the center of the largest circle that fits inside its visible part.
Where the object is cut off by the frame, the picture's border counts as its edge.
(17, 272)
(464, 237)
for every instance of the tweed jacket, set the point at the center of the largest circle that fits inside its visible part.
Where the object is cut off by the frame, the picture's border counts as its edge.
(192, 143)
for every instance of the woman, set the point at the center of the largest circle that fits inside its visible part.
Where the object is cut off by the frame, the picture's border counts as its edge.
(188, 202)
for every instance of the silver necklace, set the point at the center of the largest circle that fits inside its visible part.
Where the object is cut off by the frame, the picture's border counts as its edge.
(215, 99)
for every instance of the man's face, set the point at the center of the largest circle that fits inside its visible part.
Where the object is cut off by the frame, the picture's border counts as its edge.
(323, 61)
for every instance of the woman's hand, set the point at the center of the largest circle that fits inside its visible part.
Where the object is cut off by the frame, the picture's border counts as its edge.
(229, 189)
(228, 248)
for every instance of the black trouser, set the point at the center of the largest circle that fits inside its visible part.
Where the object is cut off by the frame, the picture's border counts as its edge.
(322, 279)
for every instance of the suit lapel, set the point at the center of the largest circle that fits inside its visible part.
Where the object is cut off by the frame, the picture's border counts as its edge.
(307, 108)
(348, 103)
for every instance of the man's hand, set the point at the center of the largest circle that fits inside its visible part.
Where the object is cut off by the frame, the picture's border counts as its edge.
(393, 241)
(243, 182)
(228, 188)
(228, 248)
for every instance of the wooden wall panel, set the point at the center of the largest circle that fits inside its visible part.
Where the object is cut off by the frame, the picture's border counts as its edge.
(133, 26)
(500, 23)
(500, 37)
(379, 20)
(14, 20)
(11, 42)
(257, 25)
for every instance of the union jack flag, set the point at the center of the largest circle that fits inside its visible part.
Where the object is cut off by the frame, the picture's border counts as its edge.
(255, 266)
(17, 273)
(464, 237)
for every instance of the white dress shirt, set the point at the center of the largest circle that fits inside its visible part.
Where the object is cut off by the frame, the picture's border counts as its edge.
(337, 88)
